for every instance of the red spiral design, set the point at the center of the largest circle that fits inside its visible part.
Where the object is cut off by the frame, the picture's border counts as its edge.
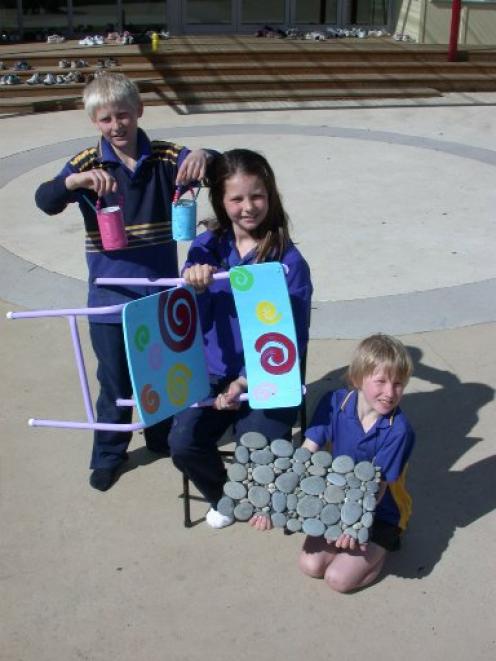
(150, 399)
(276, 359)
(177, 318)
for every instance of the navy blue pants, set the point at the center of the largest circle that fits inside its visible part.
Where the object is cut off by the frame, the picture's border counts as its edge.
(109, 447)
(195, 433)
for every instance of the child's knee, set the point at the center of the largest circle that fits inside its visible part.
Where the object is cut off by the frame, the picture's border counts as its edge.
(310, 565)
(339, 581)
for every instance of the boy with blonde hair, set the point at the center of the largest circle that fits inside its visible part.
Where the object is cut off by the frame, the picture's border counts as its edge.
(366, 423)
(126, 169)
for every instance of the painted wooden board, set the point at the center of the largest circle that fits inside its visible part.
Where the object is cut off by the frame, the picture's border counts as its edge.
(164, 347)
(268, 333)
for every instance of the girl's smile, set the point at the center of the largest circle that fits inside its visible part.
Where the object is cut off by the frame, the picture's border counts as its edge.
(246, 202)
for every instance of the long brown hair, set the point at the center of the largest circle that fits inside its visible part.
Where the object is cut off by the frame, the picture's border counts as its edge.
(273, 233)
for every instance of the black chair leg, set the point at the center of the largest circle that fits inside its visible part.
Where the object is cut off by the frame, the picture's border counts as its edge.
(186, 503)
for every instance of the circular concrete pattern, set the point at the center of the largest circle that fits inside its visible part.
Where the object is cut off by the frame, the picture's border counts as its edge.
(397, 228)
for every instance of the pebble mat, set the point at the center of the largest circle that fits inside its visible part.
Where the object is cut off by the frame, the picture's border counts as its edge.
(317, 494)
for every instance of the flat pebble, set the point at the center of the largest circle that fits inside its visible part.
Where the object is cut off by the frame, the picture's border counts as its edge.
(281, 448)
(258, 496)
(351, 532)
(330, 515)
(283, 463)
(332, 533)
(351, 513)
(279, 520)
(253, 440)
(363, 535)
(315, 469)
(242, 454)
(234, 490)
(309, 506)
(367, 519)
(354, 494)
(291, 502)
(237, 472)
(293, 525)
(353, 481)
(287, 482)
(343, 464)
(337, 479)
(225, 506)
(262, 457)
(321, 458)
(334, 494)
(365, 471)
(369, 502)
(299, 468)
(263, 475)
(372, 487)
(313, 527)
(243, 511)
(302, 454)
(279, 501)
(313, 486)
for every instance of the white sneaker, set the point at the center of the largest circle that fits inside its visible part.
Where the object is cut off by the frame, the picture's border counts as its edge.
(217, 520)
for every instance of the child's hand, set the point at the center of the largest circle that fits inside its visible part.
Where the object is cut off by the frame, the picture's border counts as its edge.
(261, 522)
(193, 168)
(346, 542)
(199, 276)
(229, 400)
(97, 180)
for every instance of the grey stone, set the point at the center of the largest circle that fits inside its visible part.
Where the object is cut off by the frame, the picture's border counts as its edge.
(317, 470)
(237, 472)
(281, 448)
(253, 440)
(293, 525)
(372, 487)
(321, 458)
(334, 494)
(243, 511)
(367, 519)
(363, 535)
(263, 474)
(262, 457)
(234, 490)
(302, 454)
(313, 486)
(241, 454)
(313, 527)
(291, 502)
(351, 513)
(365, 471)
(309, 506)
(353, 481)
(369, 502)
(287, 482)
(279, 520)
(354, 494)
(343, 464)
(351, 532)
(332, 533)
(258, 496)
(283, 463)
(299, 468)
(337, 479)
(330, 514)
(225, 506)
(279, 500)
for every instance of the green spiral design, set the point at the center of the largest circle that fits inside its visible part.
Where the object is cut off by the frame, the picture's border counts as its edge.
(142, 337)
(241, 278)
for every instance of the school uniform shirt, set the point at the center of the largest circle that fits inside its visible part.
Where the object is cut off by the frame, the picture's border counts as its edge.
(388, 444)
(220, 326)
(145, 196)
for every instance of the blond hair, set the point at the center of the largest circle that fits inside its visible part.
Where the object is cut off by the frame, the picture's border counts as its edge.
(110, 87)
(379, 350)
